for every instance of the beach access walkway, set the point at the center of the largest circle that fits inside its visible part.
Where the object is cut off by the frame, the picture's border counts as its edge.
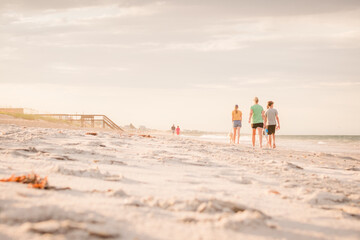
(85, 120)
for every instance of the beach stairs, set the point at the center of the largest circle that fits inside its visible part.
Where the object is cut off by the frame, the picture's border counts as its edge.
(107, 121)
(86, 120)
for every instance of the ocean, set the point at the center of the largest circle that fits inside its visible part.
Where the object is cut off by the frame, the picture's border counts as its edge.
(315, 143)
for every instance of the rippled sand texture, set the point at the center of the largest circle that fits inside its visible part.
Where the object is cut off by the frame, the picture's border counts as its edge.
(131, 187)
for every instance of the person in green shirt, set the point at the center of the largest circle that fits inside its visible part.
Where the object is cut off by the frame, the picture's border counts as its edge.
(257, 120)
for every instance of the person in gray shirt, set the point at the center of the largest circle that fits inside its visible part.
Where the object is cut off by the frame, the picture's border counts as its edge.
(271, 116)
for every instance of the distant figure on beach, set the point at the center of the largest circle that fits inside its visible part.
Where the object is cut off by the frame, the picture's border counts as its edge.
(236, 119)
(271, 116)
(257, 120)
(173, 129)
(178, 130)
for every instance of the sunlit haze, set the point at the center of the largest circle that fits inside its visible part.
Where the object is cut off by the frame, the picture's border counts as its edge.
(155, 63)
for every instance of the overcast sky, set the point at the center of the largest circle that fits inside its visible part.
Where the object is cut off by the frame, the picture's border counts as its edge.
(156, 63)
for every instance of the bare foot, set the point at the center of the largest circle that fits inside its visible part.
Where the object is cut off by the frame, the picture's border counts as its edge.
(274, 146)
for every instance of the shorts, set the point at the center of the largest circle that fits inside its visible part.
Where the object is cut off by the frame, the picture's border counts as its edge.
(257, 125)
(236, 123)
(271, 129)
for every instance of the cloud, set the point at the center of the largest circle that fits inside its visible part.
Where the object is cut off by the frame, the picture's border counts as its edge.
(192, 8)
(207, 46)
(280, 82)
(338, 84)
(9, 53)
(168, 26)
(252, 81)
(258, 8)
(161, 39)
(236, 83)
(70, 68)
(211, 86)
(78, 16)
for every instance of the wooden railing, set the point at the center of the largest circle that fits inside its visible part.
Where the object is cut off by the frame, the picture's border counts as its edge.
(86, 119)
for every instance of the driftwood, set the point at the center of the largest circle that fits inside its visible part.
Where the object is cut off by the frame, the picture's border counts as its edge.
(91, 133)
(33, 180)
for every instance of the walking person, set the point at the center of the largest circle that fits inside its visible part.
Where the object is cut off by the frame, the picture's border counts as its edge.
(266, 132)
(257, 120)
(178, 130)
(271, 116)
(236, 119)
(173, 129)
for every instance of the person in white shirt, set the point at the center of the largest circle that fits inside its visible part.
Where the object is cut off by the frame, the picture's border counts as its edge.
(271, 117)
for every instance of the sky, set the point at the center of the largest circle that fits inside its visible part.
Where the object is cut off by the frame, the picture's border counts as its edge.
(155, 63)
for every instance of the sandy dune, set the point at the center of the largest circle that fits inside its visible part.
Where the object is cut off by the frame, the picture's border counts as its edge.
(131, 187)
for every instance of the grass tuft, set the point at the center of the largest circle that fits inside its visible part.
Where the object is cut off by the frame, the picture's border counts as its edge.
(34, 117)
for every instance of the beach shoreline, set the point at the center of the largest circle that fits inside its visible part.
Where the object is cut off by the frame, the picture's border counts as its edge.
(128, 186)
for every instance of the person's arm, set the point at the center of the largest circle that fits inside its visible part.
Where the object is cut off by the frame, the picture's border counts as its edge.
(232, 116)
(251, 113)
(277, 119)
(263, 116)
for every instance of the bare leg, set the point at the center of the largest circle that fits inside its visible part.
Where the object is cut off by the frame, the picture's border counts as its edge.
(253, 136)
(274, 146)
(238, 136)
(260, 130)
(270, 137)
(234, 137)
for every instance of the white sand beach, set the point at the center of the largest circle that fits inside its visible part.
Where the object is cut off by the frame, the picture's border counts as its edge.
(92, 91)
(122, 186)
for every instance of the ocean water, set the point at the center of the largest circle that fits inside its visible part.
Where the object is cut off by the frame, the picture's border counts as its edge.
(314, 143)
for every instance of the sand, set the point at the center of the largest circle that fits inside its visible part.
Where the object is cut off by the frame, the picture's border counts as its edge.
(122, 186)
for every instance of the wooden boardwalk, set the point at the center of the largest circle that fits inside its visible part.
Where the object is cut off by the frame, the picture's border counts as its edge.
(86, 120)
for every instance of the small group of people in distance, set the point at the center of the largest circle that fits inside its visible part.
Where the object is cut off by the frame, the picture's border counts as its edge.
(261, 121)
(175, 129)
